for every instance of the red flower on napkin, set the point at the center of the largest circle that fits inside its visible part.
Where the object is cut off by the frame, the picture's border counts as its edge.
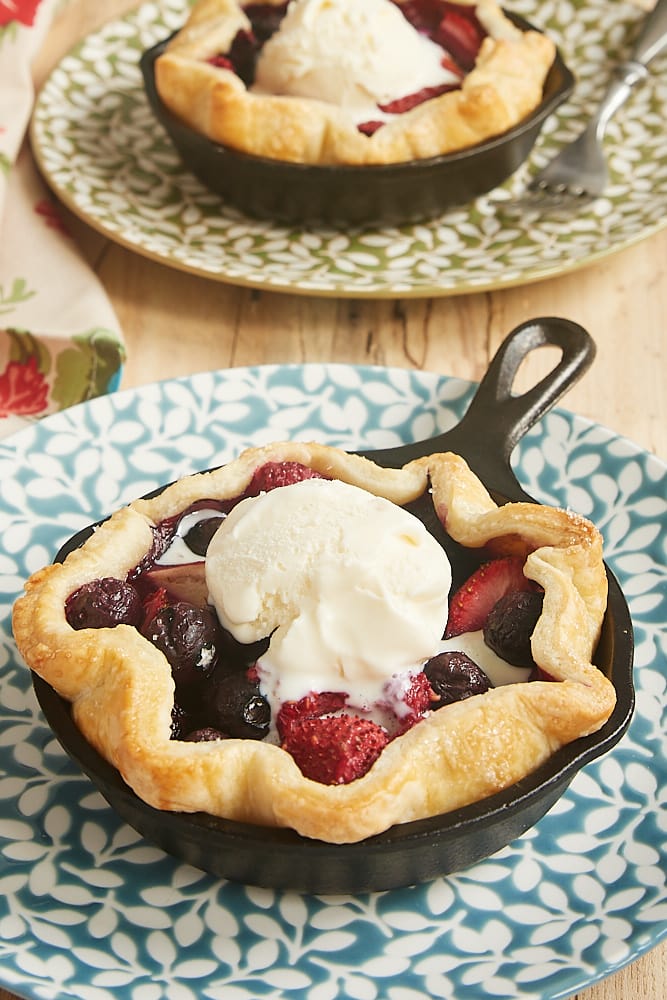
(51, 216)
(22, 11)
(23, 389)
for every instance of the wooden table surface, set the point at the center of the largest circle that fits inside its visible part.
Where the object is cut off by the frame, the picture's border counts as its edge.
(177, 324)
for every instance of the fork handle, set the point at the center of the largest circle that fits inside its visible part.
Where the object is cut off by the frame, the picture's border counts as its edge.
(650, 43)
(653, 35)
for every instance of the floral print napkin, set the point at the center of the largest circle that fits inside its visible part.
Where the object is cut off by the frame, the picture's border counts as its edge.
(60, 340)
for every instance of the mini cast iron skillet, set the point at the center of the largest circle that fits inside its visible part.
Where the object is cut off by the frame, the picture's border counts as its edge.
(374, 195)
(421, 850)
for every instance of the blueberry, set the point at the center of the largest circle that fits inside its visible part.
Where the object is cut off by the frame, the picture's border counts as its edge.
(180, 722)
(239, 708)
(454, 677)
(189, 637)
(103, 603)
(204, 735)
(510, 625)
(200, 534)
(235, 656)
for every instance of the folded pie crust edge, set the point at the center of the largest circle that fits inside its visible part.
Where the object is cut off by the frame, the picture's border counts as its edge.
(121, 688)
(504, 87)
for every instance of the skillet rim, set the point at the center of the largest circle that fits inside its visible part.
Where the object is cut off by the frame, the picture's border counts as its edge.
(509, 812)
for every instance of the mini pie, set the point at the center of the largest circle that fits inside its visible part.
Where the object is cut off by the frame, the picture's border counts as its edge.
(501, 86)
(122, 692)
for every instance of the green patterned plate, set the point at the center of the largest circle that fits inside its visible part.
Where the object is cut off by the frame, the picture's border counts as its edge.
(102, 151)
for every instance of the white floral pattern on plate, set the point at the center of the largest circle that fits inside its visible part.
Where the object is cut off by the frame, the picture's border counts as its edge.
(102, 151)
(88, 909)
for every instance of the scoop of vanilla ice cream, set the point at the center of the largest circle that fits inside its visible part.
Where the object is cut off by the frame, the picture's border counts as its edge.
(351, 588)
(353, 54)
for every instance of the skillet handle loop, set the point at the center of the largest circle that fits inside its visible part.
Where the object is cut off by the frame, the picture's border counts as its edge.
(497, 418)
(509, 416)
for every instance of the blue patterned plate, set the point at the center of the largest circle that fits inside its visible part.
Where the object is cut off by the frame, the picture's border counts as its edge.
(88, 909)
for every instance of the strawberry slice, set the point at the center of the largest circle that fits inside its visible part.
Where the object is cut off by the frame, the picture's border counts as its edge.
(335, 750)
(271, 475)
(423, 15)
(221, 62)
(541, 675)
(448, 63)
(470, 605)
(154, 601)
(370, 127)
(461, 34)
(312, 706)
(402, 104)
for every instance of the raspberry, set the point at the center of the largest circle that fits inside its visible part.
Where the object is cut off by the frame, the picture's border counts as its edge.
(419, 695)
(419, 699)
(271, 475)
(335, 750)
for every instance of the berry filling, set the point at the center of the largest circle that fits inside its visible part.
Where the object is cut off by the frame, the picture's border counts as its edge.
(218, 691)
(335, 749)
(454, 27)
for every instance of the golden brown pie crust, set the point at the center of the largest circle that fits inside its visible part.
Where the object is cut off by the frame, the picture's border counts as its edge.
(122, 691)
(504, 86)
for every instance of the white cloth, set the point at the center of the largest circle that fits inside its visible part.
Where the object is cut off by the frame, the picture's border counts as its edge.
(60, 340)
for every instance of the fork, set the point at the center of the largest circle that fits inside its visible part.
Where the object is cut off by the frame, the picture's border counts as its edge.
(580, 169)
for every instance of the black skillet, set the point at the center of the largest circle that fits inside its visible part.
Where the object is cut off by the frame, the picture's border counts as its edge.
(371, 195)
(421, 850)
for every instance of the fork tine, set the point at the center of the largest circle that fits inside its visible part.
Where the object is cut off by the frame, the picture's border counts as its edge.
(579, 168)
(542, 202)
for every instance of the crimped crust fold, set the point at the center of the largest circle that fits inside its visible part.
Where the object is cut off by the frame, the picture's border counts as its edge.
(121, 688)
(504, 86)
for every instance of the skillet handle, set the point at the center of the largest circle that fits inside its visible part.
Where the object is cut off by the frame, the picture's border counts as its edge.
(497, 419)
